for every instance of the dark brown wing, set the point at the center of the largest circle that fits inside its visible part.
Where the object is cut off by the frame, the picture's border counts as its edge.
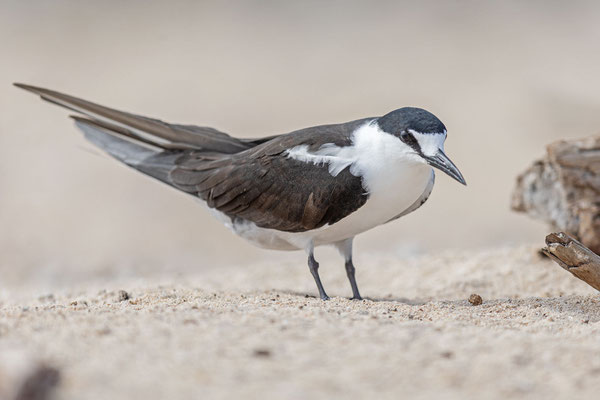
(266, 187)
(271, 190)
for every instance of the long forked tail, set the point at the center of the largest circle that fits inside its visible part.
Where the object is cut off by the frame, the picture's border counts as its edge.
(148, 145)
(159, 133)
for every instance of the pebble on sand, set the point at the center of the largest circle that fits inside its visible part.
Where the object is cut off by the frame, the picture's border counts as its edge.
(475, 299)
(123, 295)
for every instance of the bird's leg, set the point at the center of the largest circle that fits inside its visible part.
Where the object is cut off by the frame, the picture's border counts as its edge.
(313, 265)
(350, 272)
(345, 248)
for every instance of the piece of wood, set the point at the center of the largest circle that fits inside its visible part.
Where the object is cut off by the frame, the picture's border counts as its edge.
(574, 257)
(563, 189)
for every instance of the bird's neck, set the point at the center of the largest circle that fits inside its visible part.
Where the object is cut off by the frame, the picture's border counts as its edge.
(383, 160)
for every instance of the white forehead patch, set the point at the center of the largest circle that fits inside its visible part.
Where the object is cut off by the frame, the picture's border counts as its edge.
(430, 142)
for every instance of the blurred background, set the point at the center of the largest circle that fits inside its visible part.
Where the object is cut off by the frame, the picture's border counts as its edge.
(506, 78)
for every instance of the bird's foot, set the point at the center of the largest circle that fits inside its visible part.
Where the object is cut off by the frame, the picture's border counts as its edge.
(356, 297)
(324, 297)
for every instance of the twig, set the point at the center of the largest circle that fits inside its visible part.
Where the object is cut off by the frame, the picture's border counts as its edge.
(574, 257)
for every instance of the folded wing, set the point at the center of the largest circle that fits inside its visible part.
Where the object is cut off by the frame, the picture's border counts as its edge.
(270, 190)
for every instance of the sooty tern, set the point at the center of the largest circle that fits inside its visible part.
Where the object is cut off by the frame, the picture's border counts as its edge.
(315, 186)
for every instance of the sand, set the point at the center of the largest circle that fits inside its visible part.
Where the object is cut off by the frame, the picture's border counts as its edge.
(256, 331)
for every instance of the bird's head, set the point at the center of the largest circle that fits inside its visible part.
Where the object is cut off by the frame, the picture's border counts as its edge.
(423, 134)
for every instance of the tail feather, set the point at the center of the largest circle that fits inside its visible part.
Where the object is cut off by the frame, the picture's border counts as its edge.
(119, 132)
(163, 134)
(151, 160)
(148, 145)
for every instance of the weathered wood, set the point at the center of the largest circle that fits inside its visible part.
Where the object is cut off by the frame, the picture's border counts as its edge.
(574, 257)
(563, 189)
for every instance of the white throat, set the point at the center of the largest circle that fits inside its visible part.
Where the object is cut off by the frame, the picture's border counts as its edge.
(374, 155)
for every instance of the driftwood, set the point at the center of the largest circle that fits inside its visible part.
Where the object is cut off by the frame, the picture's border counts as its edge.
(574, 257)
(563, 189)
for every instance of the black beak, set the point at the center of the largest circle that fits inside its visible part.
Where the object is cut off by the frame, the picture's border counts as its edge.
(443, 163)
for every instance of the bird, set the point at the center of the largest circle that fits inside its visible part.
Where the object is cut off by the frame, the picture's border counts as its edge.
(316, 186)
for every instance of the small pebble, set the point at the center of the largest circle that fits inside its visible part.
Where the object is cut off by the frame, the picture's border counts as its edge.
(475, 299)
(122, 296)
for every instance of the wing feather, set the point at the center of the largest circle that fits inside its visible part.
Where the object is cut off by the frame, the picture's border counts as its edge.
(273, 191)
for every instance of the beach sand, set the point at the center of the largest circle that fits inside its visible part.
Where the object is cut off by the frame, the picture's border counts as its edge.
(257, 331)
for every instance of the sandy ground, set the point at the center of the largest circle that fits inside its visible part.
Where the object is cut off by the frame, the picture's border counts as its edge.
(252, 332)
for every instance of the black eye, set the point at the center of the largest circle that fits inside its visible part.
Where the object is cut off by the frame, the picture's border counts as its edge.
(408, 138)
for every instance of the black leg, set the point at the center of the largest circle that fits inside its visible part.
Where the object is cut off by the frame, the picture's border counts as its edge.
(350, 272)
(313, 265)
(345, 249)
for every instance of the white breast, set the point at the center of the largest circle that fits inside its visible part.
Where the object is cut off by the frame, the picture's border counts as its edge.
(393, 175)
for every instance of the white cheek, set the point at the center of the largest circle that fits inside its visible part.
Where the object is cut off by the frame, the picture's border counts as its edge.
(430, 143)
